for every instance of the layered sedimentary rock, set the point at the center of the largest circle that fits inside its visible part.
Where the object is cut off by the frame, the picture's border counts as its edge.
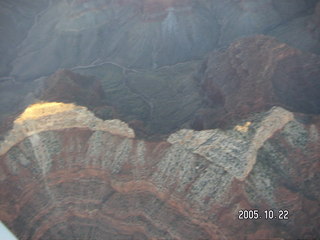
(148, 34)
(110, 40)
(254, 74)
(132, 33)
(69, 87)
(67, 175)
(163, 99)
(251, 75)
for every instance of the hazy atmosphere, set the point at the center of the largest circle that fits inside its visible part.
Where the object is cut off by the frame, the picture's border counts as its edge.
(160, 119)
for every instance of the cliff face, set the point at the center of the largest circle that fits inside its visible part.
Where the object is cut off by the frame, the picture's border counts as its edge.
(85, 177)
(209, 123)
(146, 34)
(254, 74)
(132, 33)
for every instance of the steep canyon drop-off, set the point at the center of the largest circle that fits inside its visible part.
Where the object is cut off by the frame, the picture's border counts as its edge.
(151, 119)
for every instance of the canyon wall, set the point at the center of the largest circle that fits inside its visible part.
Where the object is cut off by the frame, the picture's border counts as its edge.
(160, 119)
(67, 174)
(142, 34)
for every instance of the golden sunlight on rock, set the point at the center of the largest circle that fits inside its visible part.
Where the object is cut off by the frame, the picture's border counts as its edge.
(43, 109)
(55, 116)
(243, 128)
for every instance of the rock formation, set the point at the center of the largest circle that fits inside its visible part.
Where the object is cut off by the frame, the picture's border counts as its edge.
(162, 99)
(144, 33)
(160, 119)
(66, 174)
(131, 33)
(254, 74)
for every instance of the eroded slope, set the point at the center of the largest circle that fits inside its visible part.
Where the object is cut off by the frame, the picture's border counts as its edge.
(69, 175)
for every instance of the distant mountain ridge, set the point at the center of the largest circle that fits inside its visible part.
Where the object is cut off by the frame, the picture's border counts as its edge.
(146, 34)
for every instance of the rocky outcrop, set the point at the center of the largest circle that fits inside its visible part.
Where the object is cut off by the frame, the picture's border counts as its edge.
(66, 86)
(162, 100)
(68, 173)
(238, 156)
(69, 87)
(153, 102)
(88, 178)
(63, 86)
(48, 116)
(254, 74)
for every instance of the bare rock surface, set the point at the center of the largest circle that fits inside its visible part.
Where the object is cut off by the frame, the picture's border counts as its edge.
(67, 86)
(132, 33)
(162, 100)
(211, 123)
(254, 74)
(236, 154)
(53, 116)
(92, 178)
(143, 34)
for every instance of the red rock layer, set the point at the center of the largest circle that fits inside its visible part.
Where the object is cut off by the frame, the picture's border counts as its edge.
(77, 183)
(66, 86)
(256, 73)
(69, 87)
(117, 204)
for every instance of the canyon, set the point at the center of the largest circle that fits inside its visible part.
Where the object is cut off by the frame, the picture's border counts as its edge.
(66, 173)
(160, 119)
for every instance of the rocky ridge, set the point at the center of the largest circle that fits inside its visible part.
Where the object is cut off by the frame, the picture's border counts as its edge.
(105, 183)
(53, 116)
(67, 174)
(238, 154)
(252, 75)
(144, 34)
